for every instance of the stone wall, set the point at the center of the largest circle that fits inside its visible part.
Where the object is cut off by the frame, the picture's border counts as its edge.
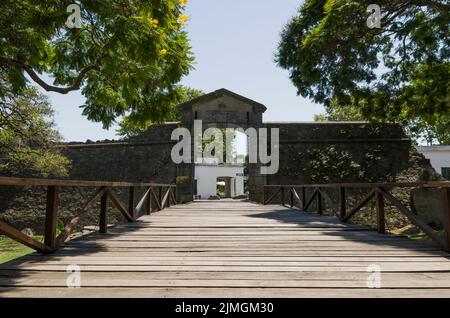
(318, 153)
(309, 153)
(144, 158)
(429, 206)
(347, 152)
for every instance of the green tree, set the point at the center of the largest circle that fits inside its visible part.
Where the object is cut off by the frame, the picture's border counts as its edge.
(418, 129)
(397, 73)
(126, 55)
(337, 112)
(28, 140)
(228, 146)
(137, 122)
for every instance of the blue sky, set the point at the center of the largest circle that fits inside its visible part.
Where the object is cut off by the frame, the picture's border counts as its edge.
(234, 42)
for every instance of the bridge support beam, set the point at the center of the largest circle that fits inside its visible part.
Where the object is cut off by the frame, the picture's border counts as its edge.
(446, 217)
(342, 203)
(131, 209)
(51, 216)
(319, 202)
(103, 226)
(380, 212)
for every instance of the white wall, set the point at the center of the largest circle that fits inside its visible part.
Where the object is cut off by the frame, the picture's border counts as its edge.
(206, 177)
(439, 156)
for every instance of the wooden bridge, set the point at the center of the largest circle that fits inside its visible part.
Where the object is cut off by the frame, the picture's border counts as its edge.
(233, 248)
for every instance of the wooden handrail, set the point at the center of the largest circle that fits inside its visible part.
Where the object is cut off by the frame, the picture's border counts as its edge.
(378, 191)
(76, 183)
(428, 184)
(103, 193)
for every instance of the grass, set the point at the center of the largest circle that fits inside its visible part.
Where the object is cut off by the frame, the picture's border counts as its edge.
(422, 237)
(10, 249)
(413, 233)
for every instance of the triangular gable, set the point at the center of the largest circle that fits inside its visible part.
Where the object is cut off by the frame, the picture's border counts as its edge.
(218, 94)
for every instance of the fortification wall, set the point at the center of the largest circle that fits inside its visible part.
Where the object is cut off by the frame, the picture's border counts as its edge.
(309, 153)
(144, 158)
(320, 153)
(347, 152)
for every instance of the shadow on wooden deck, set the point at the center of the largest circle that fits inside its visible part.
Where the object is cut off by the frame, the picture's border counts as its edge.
(233, 249)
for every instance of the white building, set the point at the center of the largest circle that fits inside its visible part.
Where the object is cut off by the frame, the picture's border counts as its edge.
(439, 157)
(208, 174)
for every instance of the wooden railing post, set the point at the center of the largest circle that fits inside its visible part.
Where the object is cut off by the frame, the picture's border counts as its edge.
(446, 217)
(381, 224)
(303, 198)
(131, 202)
(282, 195)
(160, 197)
(319, 202)
(264, 195)
(342, 203)
(148, 207)
(169, 190)
(173, 193)
(103, 226)
(291, 198)
(51, 216)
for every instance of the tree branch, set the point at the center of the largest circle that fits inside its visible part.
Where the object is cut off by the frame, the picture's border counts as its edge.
(50, 88)
(433, 3)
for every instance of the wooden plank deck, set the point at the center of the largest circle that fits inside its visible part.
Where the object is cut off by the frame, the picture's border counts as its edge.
(233, 249)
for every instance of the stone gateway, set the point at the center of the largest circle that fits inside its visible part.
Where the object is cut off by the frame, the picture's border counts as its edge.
(310, 152)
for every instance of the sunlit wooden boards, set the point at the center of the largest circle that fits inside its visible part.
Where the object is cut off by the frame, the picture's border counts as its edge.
(233, 249)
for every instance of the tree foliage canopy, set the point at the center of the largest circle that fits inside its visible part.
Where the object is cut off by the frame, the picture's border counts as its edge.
(126, 54)
(418, 129)
(399, 72)
(28, 140)
(137, 122)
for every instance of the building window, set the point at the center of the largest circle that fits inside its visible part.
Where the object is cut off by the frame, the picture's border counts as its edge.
(446, 173)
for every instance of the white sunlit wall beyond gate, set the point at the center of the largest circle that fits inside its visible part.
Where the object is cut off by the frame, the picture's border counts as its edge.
(206, 179)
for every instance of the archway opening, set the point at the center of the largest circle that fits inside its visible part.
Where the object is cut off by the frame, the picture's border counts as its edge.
(226, 187)
(224, 178)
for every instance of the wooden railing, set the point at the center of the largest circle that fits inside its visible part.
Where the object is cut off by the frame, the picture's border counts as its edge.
(380, 192)
(162, 195)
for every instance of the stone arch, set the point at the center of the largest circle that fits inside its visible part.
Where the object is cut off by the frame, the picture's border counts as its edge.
(221, 109)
